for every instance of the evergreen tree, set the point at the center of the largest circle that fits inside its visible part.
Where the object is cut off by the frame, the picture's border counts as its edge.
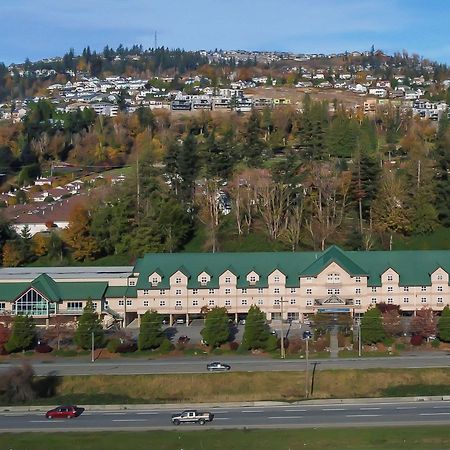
(372, 330)
(150, 332)
(23, 334)
(444, 325)
(256, 333)
(253, 147)
(217, 329)
(187, 167)
(89, 323)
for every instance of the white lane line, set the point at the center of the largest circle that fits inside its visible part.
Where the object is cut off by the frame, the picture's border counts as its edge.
(285, 417)
(435, 414)
(295, 410)
(129, 420)
(368, 409)
(221, 418)
(114, 414)
(220, 412)
(259, 411)
(147, 413)
(407, 407)
(363, 415)
(441, 407)
(334, 409)
(42, 421)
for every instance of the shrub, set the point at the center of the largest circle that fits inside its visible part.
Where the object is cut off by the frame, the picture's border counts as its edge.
(234, 346)
(435, 343)
(127, 347)
(388, 341)
(272, 343)
(113, 345)
(416, 340)
(65, 352)
(400, 346)
(166, 346)
(43, 348)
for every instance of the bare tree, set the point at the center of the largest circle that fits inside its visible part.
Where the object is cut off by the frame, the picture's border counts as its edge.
(16, 384)
(294, 227)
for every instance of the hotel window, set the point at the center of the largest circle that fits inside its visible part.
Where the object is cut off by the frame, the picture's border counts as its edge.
(329, 291)
(244, 291)
(211, 302)
(374, 301)
(260, 301)
(194, 302)
(211, 291)
(162, 303)
(423, 289)
(121, 302)
(390, 300)
(390, 289)
(439, 299)
(440, 289)
(293, 302)
(227, 291)
(405, 299)
(178, 303)
(440, 277)
(146, 303)
(162, 292)
(406, 289)
(129, 302)
(276, 291)
(309, 278)
(293, 290)
(194, 291)
(227, 302)
(244, 301)
(390, 277)
(204, 280)
(358, 279)
(178, 292)
(106, 302)
(357, 301)
(260, 290)
(374, 289)
(337, 291)
(145, 291)
(276, 301)
(309, 291)
(177, 280)
(423, 300)
(253, 279)
(357, 291)
(132, 283)
(333, 278)
(70, 305)
(2, 306)
(308, 302)
(276, 279)
(227, 279)
(155, 281)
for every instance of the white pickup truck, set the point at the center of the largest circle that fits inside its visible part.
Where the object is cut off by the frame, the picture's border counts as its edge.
(192, 416)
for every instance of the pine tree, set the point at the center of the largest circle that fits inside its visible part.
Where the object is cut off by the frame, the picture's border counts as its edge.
(23, 334)
(256, 333)
(444, 325)
(150, 332)
(89, 323)
(372, 327)
(217, 329)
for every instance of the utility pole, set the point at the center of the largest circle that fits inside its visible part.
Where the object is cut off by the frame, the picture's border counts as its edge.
(306, 337)
(92, 348)
(283, 352)
(359, 338)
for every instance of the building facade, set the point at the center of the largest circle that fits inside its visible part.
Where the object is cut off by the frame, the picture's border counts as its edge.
(284, 285)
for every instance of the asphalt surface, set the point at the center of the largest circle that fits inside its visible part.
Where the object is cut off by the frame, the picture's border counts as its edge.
(295, 416)
(131, 366)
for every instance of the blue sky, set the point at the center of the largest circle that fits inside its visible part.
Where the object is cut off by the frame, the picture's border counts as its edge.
(43, 28)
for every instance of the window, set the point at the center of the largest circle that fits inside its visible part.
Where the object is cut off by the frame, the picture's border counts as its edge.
(146, 303)
(358, 279)
(252, 279)
(390, 277)
(195, 291)
(228, 302)
(177, 291)
(405, 299)
(374, 289)
(440, 289)
(244, 291)
(94, 305)
(244, 301)
(106, 302)
(276, 291)
(228, 291)
(2, 306)
(309, 278)
(293, 290)
(129, 302)
(337, 291)
(357, 291)
(228, 280)
(406, 289)
(439, 299)
(276, 301)
(374, 301)
(309, 291)
(390, 289)
(423, 300)
(292, 316)
(162, 292)
(260, 290)
(177, 280)
(330, 291)
(145, 291)
(194, 302)
(276, 279)
(204, 280)
(155, 281)
(260, 301)
(440, 277)
(390, 300)
(75, 306)
(333, 278)
(293, 302)
(132, 283)
(121, 302)
(423, 288)
(178, 304)
(211, 291)
(309, 302)
(357, 301)
(211, 302)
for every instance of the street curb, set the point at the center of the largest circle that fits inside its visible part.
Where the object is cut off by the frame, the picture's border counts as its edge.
(172, 406)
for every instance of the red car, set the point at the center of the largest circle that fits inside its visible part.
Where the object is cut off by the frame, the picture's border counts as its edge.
(63, 412)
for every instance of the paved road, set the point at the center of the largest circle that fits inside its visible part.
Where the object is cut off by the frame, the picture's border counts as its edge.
(325, 415)
(131, 366)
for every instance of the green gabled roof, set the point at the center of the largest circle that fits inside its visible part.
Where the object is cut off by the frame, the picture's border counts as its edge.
(116, 291)
(93, 290)
(10, 291)
(47, 287)
(333, 254)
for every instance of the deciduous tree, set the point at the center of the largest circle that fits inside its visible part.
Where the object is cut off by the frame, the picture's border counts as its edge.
(89, 323)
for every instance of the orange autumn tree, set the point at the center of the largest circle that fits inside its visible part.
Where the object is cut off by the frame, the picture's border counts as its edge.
(77, 235)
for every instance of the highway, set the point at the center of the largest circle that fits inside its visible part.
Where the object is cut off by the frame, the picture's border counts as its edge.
(292, 416)
(131, 366)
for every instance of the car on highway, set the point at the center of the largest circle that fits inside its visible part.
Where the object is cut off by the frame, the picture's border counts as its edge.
(192, 416)
(63, 412)
(217, 366)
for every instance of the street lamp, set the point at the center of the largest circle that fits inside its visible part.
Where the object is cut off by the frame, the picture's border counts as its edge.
(306, 337)
(282, 349)
(358, 324)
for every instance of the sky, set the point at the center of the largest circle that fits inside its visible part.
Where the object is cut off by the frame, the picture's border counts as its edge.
(45, 28)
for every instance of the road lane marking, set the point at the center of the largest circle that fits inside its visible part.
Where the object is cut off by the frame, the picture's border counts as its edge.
(295, 410)
(440, 407)
(406, 407)
(368, 409)
(285, 417)
(129, 420)
(334, 409)
(259, 411)
(114, 413)
(220, 412)
(147, 413)
(42, 421)
(221, 418)
(435, 414)
(363, 415)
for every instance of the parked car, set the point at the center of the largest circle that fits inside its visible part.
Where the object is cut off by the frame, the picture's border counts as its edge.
(180, 321)
(192, 416)
(217, 366)
(63, 412)
(183, 339)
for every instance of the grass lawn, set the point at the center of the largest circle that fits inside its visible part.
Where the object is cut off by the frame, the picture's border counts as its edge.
(412, 438)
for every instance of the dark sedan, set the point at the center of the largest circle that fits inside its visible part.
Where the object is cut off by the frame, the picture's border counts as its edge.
(218, 367)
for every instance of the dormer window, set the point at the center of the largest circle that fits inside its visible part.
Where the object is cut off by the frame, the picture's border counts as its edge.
(390, 277)
(132, 283)
(203, 280)
(252, 279)
(228, 280)
(177, 280)
(440, 277)
(155, 281)
(358, 279)
(276, 279)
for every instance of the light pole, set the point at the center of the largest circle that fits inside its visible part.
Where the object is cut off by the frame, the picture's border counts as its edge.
(307, 337)
(358, 322)
(92, 347)
(282, 349)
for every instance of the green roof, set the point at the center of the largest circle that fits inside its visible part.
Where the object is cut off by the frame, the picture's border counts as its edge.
(47, 287)
(116, 291)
